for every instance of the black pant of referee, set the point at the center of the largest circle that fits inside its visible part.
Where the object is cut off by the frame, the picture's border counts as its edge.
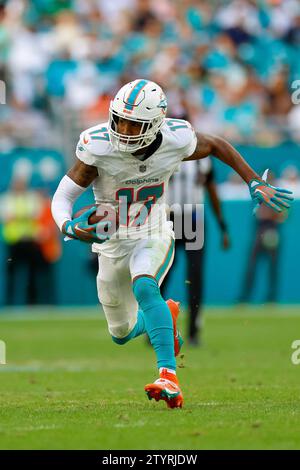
(193, 280)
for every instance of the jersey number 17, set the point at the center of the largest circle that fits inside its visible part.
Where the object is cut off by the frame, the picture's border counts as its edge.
(147, 196)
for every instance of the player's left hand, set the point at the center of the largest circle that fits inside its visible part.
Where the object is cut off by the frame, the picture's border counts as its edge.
(262, 192)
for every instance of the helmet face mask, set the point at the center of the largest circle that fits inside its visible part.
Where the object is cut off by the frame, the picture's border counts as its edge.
(142, 102)
(132, 143)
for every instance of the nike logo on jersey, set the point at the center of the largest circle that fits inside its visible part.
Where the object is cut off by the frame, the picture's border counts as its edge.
(85, 140)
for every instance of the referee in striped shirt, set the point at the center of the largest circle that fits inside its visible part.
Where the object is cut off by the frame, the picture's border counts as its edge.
(186, 192)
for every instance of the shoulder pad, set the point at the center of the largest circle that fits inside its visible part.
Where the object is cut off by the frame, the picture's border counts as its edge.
(95, 140)
(181, 132)
(181, 135)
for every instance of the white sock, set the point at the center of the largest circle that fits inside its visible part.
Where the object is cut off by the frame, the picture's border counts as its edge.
(170, 371)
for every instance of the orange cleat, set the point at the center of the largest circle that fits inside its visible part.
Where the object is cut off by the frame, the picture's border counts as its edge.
(174, 309)
(166, 388)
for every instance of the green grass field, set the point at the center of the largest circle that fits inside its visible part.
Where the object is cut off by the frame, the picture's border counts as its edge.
(67, 386)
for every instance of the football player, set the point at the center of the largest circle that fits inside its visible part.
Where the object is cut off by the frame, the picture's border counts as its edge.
(129, 161)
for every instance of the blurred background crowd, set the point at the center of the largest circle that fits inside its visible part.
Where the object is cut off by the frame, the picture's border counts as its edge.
(230, 67)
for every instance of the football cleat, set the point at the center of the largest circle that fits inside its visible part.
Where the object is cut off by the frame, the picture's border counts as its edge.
(166, 388)
(174, 309)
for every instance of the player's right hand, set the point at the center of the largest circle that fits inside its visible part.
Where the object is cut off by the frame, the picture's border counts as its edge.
(80, 229)
(69, 226)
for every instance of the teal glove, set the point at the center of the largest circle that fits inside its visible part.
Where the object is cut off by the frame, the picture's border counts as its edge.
(80, 229)
(263, 193)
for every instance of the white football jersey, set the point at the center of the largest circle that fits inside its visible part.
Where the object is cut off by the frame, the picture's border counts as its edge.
(136, 186)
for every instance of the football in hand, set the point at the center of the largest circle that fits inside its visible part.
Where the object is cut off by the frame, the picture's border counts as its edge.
(102, 213)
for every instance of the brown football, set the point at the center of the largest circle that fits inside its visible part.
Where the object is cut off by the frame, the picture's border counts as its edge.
(104, 212)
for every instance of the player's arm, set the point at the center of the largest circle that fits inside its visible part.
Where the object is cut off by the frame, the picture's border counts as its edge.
(72, 185)
(260, 190)
(216, 146)
(82, 174)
